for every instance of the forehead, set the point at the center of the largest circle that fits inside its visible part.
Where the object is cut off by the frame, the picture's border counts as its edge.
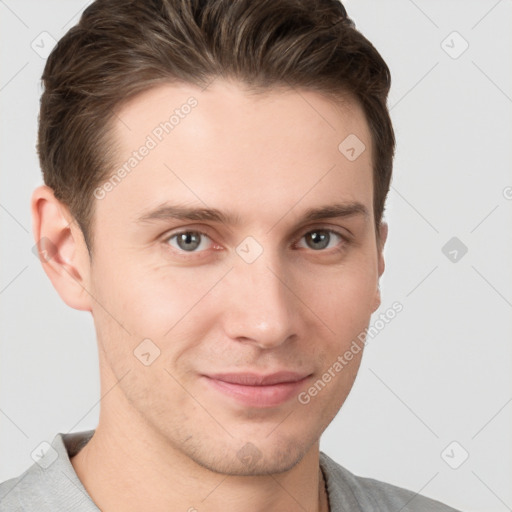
(226, 148)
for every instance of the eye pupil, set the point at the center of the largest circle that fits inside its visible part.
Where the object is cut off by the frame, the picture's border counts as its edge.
(319, 237)
(190, 237)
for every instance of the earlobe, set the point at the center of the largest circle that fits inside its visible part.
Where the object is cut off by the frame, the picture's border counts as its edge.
(61, 248)
(382, 239)
(383, 234)
(377, 300)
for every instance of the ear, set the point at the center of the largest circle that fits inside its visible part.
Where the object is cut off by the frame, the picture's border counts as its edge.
(383, 230)
(61, 247)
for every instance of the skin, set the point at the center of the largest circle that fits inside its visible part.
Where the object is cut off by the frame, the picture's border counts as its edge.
(166, 440)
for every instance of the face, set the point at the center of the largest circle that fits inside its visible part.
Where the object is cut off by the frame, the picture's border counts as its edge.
(219, 323)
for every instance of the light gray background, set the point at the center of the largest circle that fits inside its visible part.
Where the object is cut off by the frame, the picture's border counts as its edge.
(439, 372)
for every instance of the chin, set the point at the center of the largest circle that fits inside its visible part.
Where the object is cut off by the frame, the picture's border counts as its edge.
(258, 458)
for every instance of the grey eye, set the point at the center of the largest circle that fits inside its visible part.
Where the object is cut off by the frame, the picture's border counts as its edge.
(187, 241)
(318, 239)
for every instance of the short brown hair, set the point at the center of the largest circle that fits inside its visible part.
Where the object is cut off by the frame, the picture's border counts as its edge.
(122, 47)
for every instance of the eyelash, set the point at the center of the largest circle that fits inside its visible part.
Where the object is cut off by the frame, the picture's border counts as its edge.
(188, 255)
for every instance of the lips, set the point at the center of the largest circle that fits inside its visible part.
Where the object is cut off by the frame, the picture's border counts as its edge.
(256, 390)
(253, 379)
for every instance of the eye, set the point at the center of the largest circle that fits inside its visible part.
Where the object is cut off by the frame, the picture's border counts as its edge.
(320, 239)
(196, 241)
(188, 241)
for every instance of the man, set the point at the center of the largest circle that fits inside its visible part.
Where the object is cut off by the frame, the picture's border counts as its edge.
(258, 134)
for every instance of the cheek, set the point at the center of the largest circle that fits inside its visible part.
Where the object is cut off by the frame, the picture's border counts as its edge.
(151, 297)
(163, 299)
(344, 299)
(167, 305)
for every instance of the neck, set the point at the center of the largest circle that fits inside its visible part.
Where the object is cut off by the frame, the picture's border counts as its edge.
(130, 469)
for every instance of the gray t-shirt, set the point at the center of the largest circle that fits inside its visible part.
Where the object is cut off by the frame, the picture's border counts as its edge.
(51, 485)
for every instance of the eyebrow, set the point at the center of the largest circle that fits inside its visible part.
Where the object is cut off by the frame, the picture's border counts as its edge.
(168, 211)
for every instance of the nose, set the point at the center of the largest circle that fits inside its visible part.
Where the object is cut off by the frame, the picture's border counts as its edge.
(260, 306)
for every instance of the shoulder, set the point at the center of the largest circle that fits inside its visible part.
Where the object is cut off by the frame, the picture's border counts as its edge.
(12, 489)
(50, 483)
(360, 494)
